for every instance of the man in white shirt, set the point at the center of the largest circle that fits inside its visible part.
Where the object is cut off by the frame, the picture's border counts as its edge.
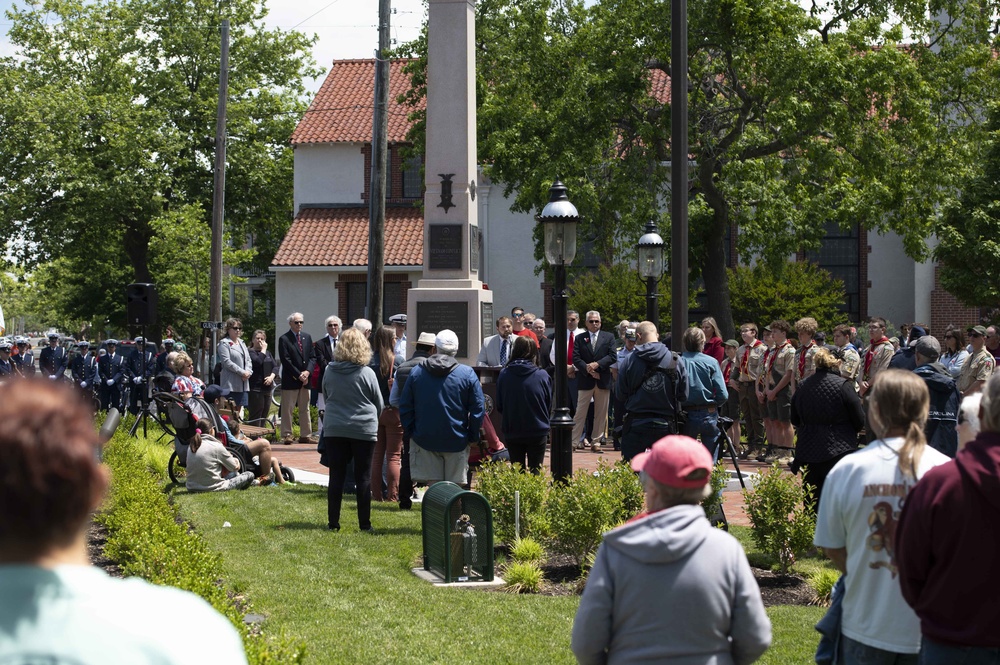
(398, 322)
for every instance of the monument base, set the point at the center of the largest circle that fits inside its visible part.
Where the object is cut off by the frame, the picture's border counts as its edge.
(465, 308)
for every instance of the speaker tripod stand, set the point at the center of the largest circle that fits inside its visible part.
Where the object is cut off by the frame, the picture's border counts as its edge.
(144, 397)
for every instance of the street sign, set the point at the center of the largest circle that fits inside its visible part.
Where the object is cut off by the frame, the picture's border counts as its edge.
(209, 325)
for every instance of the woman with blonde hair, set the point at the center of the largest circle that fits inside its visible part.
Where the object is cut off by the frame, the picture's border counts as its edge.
(350, 428)
(186, 384)
(863, 497)
(713, 339)
(827, 414)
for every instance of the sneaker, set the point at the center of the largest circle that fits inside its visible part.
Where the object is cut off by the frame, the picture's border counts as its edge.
(787, 456)
(266, 480)
(762, 455)
(777, 455)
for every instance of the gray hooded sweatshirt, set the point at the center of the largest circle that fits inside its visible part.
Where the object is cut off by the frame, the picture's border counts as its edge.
(669, 588)
(353, 401)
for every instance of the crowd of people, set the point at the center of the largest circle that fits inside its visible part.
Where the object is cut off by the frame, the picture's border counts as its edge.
(900, 445)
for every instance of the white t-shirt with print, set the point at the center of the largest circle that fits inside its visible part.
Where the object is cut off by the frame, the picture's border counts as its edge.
(861, 502)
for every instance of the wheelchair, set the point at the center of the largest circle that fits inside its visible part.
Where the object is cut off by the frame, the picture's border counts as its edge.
(179, 417)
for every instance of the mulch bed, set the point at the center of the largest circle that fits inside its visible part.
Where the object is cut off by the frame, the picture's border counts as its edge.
(97, 535)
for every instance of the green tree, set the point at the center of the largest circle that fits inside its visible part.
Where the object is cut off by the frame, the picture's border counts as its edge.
(763, 294)
(107, 123)
(618, 294)
(797, 117)
(969, 249)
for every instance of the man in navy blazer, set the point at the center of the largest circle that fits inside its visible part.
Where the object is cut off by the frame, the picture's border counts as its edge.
(593, 355)
(295, 352)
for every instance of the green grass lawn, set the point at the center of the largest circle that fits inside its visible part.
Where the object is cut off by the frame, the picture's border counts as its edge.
(351, 597)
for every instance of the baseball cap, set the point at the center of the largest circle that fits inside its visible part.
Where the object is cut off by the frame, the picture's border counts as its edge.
(928, 347)
(446, 341)
(677, 461)
(979, 330)
(214, 392)
(426, 339)
(916, 332)
(733, 343)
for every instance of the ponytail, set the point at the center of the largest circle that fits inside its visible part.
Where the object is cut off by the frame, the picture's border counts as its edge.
(912, 449)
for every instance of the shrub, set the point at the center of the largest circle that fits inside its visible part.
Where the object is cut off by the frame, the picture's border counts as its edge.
(579, 512)
(764, 293)
(498, 482)
(527, 550)
(712, 504)
(782, 526)
(821, 581)
(624, 489)
(146, 538)
(523, 577)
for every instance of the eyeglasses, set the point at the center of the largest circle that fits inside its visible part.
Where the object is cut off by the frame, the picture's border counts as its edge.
(593, 321)
(297, 323)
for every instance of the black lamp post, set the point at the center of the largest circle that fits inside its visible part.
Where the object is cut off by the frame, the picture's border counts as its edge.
(650, 255)
(559, 219)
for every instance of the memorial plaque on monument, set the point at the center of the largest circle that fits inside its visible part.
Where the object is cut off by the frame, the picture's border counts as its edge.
(434, 317)
(486, 319)
(474, 241)
(445, 247)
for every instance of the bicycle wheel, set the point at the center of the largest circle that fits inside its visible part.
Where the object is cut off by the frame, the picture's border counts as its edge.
(178, 474)
(276, 396)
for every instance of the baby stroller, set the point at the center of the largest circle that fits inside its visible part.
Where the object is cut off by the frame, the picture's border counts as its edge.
(179, 417)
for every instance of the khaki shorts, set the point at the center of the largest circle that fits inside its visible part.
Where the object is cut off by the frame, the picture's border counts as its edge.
(430, 467)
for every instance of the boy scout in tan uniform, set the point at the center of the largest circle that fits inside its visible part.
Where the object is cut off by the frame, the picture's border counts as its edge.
(979, 366)
(877, 356)
(805, 365)
(850, 364)
(750, 357)
(779, 395)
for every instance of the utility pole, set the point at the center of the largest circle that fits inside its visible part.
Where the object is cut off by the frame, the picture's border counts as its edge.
(219, 196)
(376, 203)
(678, 171)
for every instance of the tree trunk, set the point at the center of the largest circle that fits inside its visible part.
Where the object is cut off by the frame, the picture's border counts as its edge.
(714, 271)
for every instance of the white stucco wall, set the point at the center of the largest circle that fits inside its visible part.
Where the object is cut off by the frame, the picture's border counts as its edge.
(330, 173)
(892, 275)
(311, 292)
(509, 252)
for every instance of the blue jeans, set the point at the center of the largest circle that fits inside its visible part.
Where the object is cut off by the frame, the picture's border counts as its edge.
(853, 652)
(936, 653)
(640, 437)
(705, 423)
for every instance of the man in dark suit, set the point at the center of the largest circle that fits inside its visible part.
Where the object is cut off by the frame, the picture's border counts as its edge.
(324, 356)
(111, 370)
(593, 355)
(53, 360)
(544, 347)
(295, 352)
(140, 368)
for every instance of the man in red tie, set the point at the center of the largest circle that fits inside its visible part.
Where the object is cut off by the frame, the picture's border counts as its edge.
(296, 354)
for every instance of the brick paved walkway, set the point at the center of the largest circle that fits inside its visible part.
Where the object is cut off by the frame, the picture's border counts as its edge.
(304, 456)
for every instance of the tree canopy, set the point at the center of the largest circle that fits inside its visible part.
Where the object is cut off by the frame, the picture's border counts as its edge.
(107, 125)
(797, 117)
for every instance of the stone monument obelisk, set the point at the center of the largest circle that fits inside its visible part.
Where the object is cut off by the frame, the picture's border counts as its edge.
(450, 293)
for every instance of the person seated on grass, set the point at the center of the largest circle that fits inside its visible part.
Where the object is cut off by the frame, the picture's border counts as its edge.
(667, 586)
(215, 397)
(57, 607)
(210, 466)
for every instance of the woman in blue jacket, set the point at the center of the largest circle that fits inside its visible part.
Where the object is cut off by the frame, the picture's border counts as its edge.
(524, 399)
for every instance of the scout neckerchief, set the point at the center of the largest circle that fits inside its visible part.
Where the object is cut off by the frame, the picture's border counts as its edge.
(802, 358)
(774, 354)
(870, 355)
(746, 355)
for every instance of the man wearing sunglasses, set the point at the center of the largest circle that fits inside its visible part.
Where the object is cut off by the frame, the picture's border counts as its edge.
(593, 355)
(979, 367)
(297, 358)
(521, 327)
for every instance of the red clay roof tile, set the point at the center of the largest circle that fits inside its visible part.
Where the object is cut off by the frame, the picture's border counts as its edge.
(341, 112)
(339, 237)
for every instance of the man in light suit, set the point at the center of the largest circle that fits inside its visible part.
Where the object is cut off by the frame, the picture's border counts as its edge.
(295, 352)
(496, 348)
(593, 355)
